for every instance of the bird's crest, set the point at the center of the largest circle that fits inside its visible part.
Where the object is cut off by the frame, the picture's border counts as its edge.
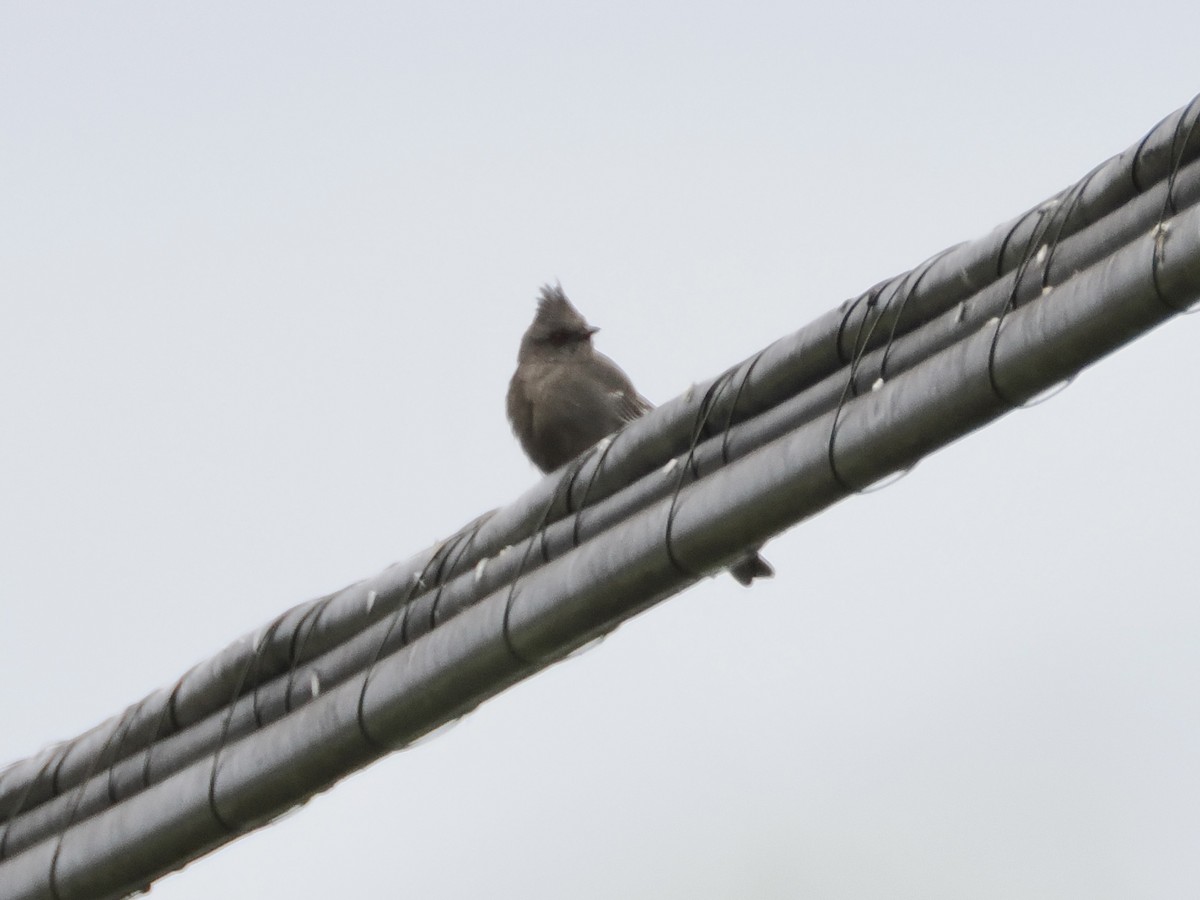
(556, 313)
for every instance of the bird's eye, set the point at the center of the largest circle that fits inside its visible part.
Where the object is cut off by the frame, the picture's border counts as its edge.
(558, 338)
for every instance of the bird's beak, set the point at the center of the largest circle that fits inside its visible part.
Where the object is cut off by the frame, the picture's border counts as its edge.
(592, 329)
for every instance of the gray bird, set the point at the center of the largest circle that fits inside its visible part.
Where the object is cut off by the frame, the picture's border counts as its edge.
(564, 397)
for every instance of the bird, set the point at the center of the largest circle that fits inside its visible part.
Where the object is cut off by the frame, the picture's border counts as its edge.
(565, 397)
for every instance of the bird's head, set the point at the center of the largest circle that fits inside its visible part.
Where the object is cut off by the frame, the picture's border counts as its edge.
(558, 329)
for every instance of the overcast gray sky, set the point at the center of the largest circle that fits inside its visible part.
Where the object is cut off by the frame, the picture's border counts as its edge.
(264, 268)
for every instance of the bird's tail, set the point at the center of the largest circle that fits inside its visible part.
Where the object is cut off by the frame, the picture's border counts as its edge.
(749, 567)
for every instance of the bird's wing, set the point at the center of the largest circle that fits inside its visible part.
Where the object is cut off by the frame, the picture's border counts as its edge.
(628, 404)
